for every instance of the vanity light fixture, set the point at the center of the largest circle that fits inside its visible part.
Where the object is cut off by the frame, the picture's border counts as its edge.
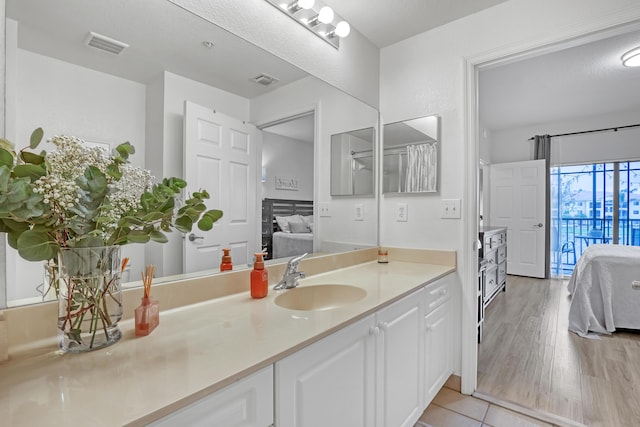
(631, 58)
(317, 18)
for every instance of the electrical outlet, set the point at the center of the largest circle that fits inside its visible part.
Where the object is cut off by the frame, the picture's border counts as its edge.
(359, 212)
(324, 210)
(402, 212)
(450, 208)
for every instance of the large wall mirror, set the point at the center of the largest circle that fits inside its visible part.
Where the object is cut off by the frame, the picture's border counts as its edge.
(177, 62)
(353, 163)
(410, 156)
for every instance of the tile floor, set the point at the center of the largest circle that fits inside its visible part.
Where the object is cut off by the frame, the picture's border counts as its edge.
(452, 409)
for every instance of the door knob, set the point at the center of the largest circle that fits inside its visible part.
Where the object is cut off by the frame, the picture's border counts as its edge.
(539, 225)
(193, 237)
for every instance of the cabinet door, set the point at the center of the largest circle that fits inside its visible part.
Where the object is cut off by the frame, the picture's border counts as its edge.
(330, 382)
(399, 368)
(437, 350)
(247, 403)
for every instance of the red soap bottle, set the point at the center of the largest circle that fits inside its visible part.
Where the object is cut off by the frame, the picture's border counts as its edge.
(259, 278)
(225, 264)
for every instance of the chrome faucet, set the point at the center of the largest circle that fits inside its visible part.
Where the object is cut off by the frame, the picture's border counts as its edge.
(291, 274)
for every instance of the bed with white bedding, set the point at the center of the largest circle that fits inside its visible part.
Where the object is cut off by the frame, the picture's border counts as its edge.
(287, 227)
(604, 295)
(291, 244)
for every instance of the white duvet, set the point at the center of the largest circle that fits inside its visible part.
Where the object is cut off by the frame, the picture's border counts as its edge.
(602, 296)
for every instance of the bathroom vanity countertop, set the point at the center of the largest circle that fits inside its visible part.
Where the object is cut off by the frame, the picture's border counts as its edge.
(195, 350)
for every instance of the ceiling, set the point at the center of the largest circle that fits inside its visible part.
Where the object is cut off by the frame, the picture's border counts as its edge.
(385, 22)
(577, 82)
(580, 81)
(161, 35)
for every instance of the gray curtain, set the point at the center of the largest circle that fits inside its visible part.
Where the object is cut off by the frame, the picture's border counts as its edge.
(542, 150)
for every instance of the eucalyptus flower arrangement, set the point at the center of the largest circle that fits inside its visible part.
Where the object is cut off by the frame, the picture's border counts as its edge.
(82, 196)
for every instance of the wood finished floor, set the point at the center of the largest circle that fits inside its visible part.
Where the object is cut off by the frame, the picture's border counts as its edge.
(529, 357)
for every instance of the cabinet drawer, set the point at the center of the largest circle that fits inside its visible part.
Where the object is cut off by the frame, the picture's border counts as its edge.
(502, 272)
(490, 257)
(437, 293)
(491, 283)
(502, 254)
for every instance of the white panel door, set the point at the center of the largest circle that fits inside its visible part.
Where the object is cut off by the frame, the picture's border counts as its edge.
(518, 203)
(221, 155)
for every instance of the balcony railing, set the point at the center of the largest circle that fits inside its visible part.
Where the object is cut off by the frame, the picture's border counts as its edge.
(575, 234)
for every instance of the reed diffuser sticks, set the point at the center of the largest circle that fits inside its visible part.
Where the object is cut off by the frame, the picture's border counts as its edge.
(147, 315)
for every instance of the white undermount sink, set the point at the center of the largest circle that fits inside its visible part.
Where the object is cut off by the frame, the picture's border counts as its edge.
(319, 297)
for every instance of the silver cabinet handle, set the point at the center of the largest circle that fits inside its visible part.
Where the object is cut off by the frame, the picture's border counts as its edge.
(193, 237)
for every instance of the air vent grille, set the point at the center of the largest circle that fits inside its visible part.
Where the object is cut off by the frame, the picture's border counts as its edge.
(265, 79)
(105, 43)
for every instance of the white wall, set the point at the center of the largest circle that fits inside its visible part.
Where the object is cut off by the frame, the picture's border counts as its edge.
(287, 157)
(336, 112)
(63, 98)
(424, 75)
(353, 68)
(512, 145)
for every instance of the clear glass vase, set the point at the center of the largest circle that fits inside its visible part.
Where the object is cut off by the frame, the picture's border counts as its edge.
(89, 299)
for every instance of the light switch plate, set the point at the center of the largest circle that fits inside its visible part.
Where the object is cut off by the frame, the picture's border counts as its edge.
(324, 210)
(359, 212)
(402, 212)
(450, 208)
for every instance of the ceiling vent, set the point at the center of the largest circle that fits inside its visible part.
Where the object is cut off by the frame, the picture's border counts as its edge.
(105, 43)
(265, 79)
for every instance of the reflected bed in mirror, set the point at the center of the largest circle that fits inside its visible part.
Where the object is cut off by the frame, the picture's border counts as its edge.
(57, 82)
(353, 163)
(410, 156)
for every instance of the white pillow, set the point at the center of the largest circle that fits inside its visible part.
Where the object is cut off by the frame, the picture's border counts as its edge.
(308, 219)
(299, 227)
(283, 222)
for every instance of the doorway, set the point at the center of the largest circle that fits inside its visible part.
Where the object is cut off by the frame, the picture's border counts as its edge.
(476, 129)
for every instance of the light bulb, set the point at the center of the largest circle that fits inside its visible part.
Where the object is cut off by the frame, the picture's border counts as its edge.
(343, 29)
(306, 4)
(631, 58)
(325, 15)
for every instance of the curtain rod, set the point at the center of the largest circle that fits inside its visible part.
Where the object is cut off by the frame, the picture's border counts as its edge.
(615, 129)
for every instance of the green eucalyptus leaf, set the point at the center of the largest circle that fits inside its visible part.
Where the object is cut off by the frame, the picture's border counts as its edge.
(12, 239)
(33, 172)
(36, 137)
(158, 236)
(129, 220)
(33, 158)
(96, 180)
(6, 157)
(36, 246)
(5, 175)
(7, 145)
(124, 150)
(114, 170)
(153, 216)
(208, 219)
(138, 236)
(184, 224)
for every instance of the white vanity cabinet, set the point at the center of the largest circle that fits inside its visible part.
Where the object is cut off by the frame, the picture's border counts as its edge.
(330, 382)
(246, 403)
(367, 374)
(399, 369)
(437, 333)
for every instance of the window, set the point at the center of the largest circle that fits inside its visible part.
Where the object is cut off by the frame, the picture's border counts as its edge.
(585, 195)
